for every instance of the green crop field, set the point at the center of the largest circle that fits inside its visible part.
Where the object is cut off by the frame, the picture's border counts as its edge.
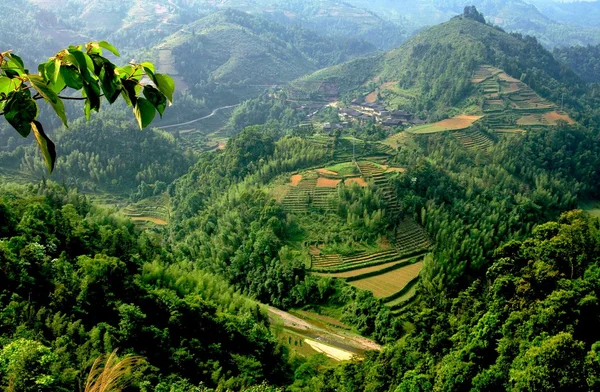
(390, 283)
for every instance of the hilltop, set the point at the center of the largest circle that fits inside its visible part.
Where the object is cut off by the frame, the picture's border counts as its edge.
(432, 72)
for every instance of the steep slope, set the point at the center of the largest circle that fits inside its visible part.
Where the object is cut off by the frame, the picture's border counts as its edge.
(432, 71)
(234, 54)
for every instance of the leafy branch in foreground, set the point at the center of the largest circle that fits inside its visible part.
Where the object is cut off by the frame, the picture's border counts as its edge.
(80, 68)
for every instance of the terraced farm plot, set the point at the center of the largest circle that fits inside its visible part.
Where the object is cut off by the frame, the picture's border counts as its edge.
(376, 174)
(410, 238)
(338, 264)
(327, 183)
(473, 140)
(327, 172)
(452, 124)
(400, 139)
(401, 300)
(483, 73)
(295, 179)
(362, 271)
(343, 169)
(552, 118)
(390, 283)
(355, 180)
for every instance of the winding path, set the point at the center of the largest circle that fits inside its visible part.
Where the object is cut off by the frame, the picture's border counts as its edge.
(199, 119)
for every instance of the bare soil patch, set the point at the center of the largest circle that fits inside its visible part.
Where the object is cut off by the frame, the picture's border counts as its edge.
(553, 118)
(295, 179)
(355, 180)
(327, 183)
(395, 170)
(325, 171)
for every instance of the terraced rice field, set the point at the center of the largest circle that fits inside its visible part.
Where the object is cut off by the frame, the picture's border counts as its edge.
(452, 124)
(376, 174)
(144, 216)
(361, 271)
(304, 193)
(390, 283)
(410, 238)
(483, 73)
(401, 300)
(327, 183)
(473, 140)
(337, 263)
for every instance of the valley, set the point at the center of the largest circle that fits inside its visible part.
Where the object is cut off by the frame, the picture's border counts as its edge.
(299, 196)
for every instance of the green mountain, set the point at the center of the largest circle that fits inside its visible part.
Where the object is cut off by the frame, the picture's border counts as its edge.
(433, 71)
(231, 55)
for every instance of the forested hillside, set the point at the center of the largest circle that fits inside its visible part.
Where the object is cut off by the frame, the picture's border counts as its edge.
(424, 219)
(78, 282)
(108, 153)
(230, 55)
(584, 60)
(433, 71)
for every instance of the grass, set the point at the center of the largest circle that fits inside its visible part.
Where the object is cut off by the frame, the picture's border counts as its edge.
(592, 207)
(388, 284)
(452, 124)
(403, 298)
(344, 169)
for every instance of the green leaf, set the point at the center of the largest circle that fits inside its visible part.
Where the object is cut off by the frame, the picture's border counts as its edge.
(46, 145)
(109, 47)
(56, 74)
(20, 110)
(92, 92)
(144, 112)
(17, 61)
(81, 63)
(148, 65)
(50, 96)
(156, 98)
(165, 85)
(150, 74)
(72, 77)
(7, 85)
(130, 94)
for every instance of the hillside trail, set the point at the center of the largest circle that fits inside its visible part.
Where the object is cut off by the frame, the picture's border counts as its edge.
(341, 340)
(199, 119)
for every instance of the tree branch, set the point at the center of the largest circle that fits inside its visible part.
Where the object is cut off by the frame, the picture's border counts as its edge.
(38, 97)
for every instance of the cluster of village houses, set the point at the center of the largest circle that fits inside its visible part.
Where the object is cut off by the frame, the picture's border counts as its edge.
(364, 112)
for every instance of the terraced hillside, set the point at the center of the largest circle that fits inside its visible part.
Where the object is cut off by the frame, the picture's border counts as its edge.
(473, 139)
(332, 264)
(410, 238)
(395, 287)
(509, 104)
(376, 174)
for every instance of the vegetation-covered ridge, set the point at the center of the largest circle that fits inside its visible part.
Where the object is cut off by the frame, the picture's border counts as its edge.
(431, 73)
